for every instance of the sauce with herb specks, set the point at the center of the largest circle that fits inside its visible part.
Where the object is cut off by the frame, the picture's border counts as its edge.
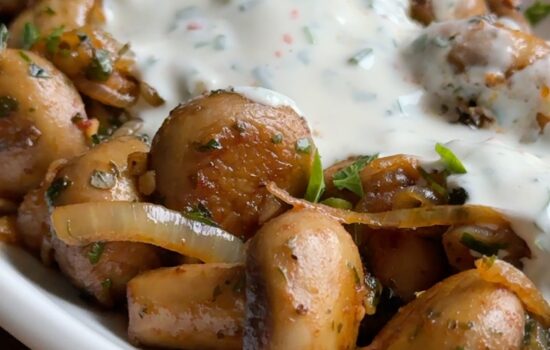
(344, 65)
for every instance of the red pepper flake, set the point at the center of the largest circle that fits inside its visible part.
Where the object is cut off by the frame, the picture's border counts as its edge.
(278, 54)
(287, 38)
(84, 124)
(294, 14)
(194, 26)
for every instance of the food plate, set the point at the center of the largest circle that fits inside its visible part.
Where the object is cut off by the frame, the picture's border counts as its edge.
(40, 307)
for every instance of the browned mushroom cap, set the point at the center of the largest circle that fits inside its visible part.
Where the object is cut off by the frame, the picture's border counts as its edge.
(424, 10)
(305, 285)
(216, 153)
(101, 269)
(37, 103)
(51, 16)
(462, 312)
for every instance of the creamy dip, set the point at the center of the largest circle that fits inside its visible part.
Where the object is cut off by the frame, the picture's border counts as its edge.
(342, 63)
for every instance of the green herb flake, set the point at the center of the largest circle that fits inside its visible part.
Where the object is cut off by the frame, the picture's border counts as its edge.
(432, 183)
(30, 35)
(349, 178)
(277, 138)
(53, 40)
(107, 283)
(303, 145)
(211, 145)
(452, 163)
(216, 293)
(488, 249)
(8, 105)
(360, 56)
(4, 35)
(94, 254)
(101, 67)
(38, 72)
(56, 188)
(49, 11)
(337, 203)
(102, 180)
(201, 213)
(309, 35)
(316, 186)
(355, 274)
(537, 12)
(25, 57)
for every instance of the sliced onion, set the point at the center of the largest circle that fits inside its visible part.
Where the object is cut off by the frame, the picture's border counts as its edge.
(400, 218)
(104, 94)
(501, 272)
(150, 94)
(85, 223)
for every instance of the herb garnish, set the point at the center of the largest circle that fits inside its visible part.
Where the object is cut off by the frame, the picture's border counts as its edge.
(432, 183)
(303, 145)
(537, 12)
(202, 214)
(36, 71)
(337, 203)
(4, 35)
(101, 67)
(8, 105)
(360, 56)
(470, 241)
(55, 189)
(106, 283)
(94, 254)
(349, 178)
(52, 40)
(30, 35)
(211, 145)
(103, 180)
(309, 35)
(452, 163)
(277, 138)
(316, 185)
(25, 57)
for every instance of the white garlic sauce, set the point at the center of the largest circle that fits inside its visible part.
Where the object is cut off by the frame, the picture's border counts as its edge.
(342, 63)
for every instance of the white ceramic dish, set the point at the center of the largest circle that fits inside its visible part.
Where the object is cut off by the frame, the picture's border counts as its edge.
(40, 308)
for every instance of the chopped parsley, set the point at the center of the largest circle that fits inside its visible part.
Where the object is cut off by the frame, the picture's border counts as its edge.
(360, 56)
(30, 35)
(303, 145)
(349, 178)
(309, 35)
(49, 11)
(95, 252)
(25, 57)
(101, 67)
(52, 40)
(537, 12)
(432, 183)
(489, 249)
(452, 163)
(316, 185)
(4, 35)
(103, 180)
(202, 214)
(36, 71)
(56, 188)
(277, 138)
(8, 105)
(337, 203)
(211, 145)
(107, 283)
